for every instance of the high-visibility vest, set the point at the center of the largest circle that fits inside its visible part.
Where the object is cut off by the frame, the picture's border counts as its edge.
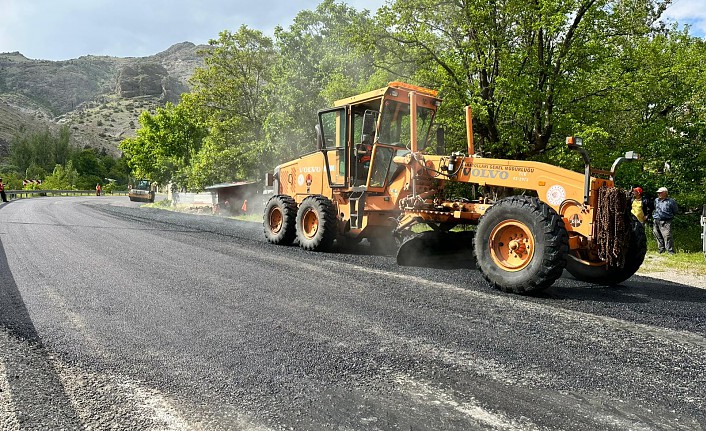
(366, 157)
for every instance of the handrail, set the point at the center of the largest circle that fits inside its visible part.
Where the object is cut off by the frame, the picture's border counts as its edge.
(21, 194)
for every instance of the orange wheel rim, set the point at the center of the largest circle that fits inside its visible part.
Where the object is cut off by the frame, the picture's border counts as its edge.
(310, 223)
(275, 220)
(511, 245)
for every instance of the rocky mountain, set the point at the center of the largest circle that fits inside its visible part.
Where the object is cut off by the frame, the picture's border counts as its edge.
(98, 97)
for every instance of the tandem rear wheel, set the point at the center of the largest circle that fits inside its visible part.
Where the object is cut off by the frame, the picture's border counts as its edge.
(279, 220)
(316, 223)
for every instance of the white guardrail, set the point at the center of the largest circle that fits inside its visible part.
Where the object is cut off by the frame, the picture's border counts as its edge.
(21, 194)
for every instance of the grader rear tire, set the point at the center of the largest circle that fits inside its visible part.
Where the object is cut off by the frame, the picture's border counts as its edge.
(279, 219)
(611, 275)
(521, 245)
(316, 223)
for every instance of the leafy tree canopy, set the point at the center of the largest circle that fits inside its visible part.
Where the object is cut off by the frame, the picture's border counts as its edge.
(33, 155)
(533, 72)
(164, 145)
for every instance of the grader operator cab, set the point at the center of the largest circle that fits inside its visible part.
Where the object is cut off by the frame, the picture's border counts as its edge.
(374, 177)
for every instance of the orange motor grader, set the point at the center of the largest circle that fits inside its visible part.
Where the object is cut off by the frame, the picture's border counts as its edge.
(374, 177)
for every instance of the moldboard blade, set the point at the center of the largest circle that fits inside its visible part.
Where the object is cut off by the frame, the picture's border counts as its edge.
(438, 250)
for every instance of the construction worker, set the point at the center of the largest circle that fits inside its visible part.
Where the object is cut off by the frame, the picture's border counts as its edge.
(364, 152)
(665, 210)
(2, 191)
(642, 207)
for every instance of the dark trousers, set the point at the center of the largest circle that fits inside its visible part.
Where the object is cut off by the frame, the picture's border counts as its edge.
(663, 234)
(3, 195)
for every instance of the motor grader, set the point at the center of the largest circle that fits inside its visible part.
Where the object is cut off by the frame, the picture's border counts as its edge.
(374, 176)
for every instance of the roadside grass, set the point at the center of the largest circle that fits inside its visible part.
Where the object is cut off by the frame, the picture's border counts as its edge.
(164, 204)
(689, 263)
(248, 217)
(688, 243)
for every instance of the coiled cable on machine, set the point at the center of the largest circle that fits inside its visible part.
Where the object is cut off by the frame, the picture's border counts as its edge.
(613, 230)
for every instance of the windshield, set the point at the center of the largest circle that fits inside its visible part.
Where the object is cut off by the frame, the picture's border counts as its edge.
(142, 185)
(394, 124)
(384, 169)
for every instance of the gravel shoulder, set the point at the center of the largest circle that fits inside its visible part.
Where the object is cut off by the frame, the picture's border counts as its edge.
(698, 281)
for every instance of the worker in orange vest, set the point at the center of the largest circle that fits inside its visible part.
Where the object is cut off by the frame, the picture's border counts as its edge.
(2, 191)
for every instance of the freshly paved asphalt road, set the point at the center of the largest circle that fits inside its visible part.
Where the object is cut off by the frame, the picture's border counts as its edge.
(118, 317)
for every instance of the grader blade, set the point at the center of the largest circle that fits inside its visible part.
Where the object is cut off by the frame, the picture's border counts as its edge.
(446, 250)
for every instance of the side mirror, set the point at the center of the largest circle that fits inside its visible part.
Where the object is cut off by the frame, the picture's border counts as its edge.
(269, 179)
(631, 155)
(319, 138)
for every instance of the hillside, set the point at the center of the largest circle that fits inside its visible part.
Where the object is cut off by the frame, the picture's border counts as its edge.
(98, 97)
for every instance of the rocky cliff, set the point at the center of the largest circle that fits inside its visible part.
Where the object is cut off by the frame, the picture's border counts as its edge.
(98, 97)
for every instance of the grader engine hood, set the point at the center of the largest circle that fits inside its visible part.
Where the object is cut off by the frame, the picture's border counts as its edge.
(302, 177)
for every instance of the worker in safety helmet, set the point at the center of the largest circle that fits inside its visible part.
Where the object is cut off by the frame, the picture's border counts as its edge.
(642, 207)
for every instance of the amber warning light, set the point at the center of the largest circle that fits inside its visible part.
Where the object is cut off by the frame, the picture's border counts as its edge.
(574, 141)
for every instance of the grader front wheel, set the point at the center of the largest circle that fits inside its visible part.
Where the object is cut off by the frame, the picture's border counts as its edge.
(512, 245)
(521, 245)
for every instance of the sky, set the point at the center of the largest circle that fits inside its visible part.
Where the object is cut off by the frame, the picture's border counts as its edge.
(67, 29)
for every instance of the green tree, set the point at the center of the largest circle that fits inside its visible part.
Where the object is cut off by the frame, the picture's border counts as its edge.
(231, 98)
(87, 163)
(43, 148)
(520, 65)
(164, 145)
(668, 115)
(12, 180)
(35, 172)
(118, 170)
(61, 178)
(318, 63)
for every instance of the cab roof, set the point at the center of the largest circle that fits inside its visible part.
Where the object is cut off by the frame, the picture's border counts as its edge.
(396, 85)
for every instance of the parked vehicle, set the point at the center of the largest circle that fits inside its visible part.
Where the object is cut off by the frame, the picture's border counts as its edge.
(141, 191)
